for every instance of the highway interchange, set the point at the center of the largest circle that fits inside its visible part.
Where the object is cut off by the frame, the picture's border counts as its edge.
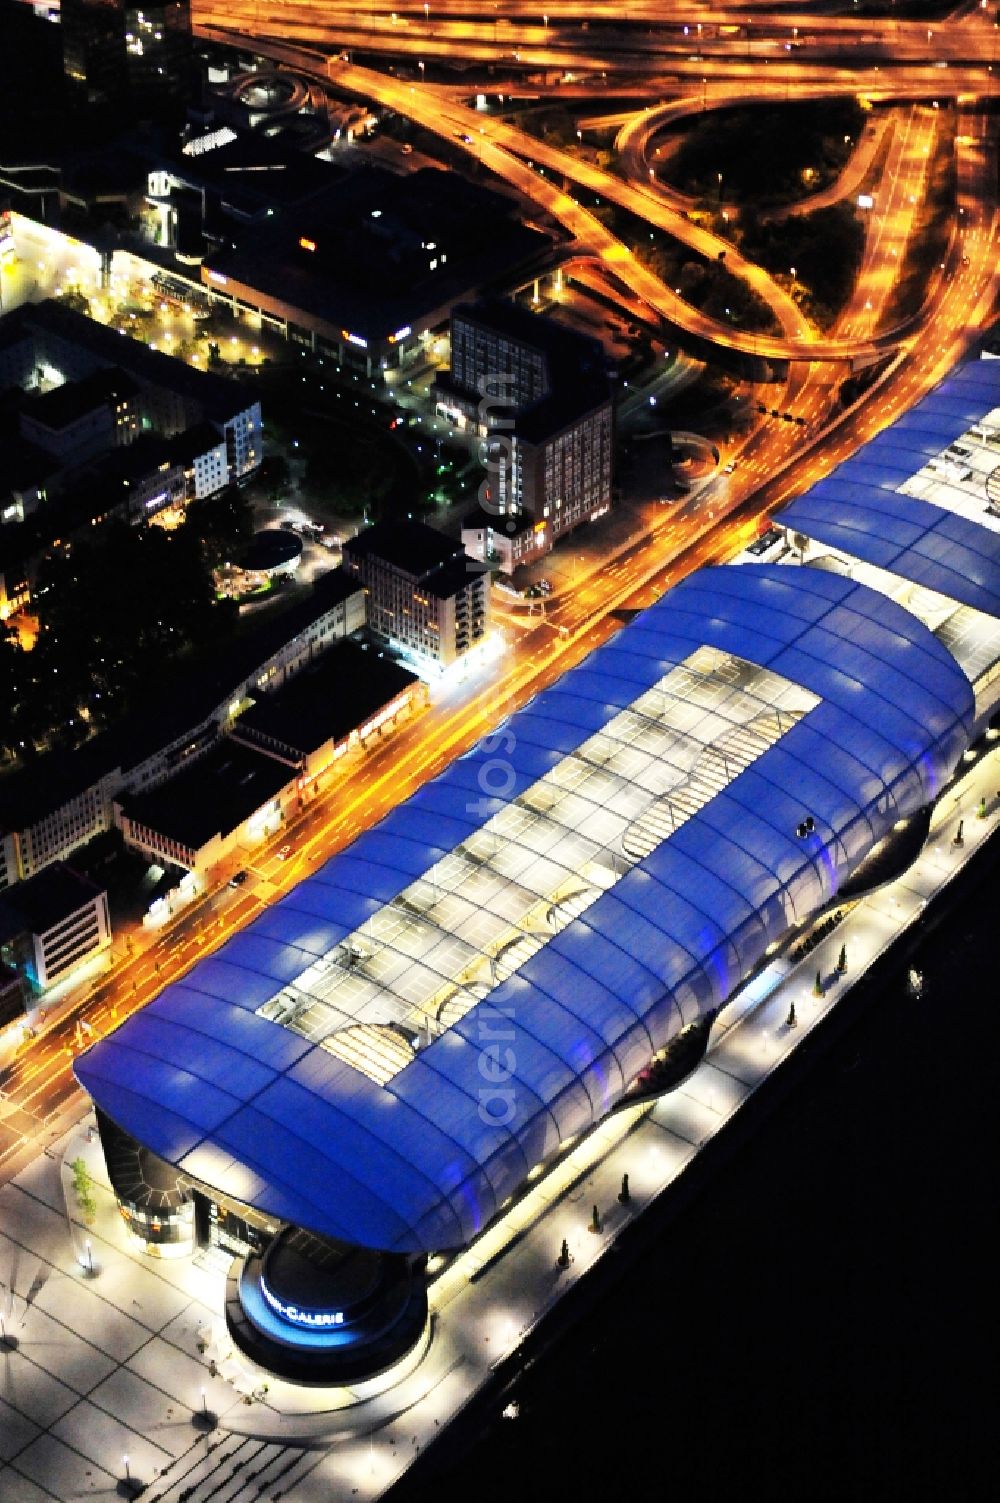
(650, 56)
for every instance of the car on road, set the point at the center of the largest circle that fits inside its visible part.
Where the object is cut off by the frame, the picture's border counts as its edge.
(407, 149)
(766, 541)
(284, 853)
(727, 469)
(238, 878)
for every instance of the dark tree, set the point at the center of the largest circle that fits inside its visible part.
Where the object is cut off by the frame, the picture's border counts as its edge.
(222, 523)
(112, 613)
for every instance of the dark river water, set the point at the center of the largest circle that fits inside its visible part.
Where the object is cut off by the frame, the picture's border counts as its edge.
(818, 1322)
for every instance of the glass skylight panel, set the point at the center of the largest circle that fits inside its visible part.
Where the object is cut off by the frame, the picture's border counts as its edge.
(424, 959)
(955, 479)
(973, 639)
(971, 636)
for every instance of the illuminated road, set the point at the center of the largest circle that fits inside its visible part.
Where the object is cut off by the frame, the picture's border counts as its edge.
(638, 130)
(890, 222)
(643, 39)
(524, 162)
(778, 462)
(40, 1082)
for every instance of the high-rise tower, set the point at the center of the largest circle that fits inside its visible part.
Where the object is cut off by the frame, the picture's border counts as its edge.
(116, 49)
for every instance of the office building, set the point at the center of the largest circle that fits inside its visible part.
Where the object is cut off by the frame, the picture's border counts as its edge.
(260, 773)
(424, 593)
(28, 472)
(114, 49)
(231, 799)
(78, 419)
(538, 394)
(201, 454)
(503, 542)
(62, 799)
(52, 924)
(346, 699)
(365, 271)
(47, 344)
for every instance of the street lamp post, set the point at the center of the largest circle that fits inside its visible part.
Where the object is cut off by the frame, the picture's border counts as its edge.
(204, 1419)
(129, 1487)
(8, 1343)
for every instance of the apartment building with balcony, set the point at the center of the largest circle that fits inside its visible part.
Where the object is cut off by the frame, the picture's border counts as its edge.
(424, 593)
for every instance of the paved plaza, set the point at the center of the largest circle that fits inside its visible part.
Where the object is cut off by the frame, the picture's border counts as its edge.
(118, 1355)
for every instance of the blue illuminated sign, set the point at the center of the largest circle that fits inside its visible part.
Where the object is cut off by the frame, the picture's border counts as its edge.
(314, 1319)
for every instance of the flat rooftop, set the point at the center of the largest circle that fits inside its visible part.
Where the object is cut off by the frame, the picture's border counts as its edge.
(514, 320)
(219, 397)
(453, 576)
(253, 171)
(412, 547)
(576, 367)
(39, 903)
(66, 404)
(336, 695)
(193, 443)
(132, 462)
(190, 693)
(378, 252)
(213, 797)
(25, 464)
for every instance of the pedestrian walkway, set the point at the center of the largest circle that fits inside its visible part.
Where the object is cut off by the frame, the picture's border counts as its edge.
(115, 1350)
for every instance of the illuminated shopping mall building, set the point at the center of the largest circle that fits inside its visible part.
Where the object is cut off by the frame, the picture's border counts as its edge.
(370, 1071)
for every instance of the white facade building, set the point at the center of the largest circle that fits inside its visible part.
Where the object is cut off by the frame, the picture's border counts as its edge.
(52, 924)
(60, 802)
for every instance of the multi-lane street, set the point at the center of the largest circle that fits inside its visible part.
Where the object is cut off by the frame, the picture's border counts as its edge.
(545, 174)
(647, 39)
(778, 460)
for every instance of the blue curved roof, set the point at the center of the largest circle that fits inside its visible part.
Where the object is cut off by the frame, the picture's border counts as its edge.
(912, 538)
(860, 510)
(423, 1162)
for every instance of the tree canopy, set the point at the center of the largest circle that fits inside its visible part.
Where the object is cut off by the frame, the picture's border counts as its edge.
(112, 612)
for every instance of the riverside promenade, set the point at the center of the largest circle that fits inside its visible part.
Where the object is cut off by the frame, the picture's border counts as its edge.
(116, 1370)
